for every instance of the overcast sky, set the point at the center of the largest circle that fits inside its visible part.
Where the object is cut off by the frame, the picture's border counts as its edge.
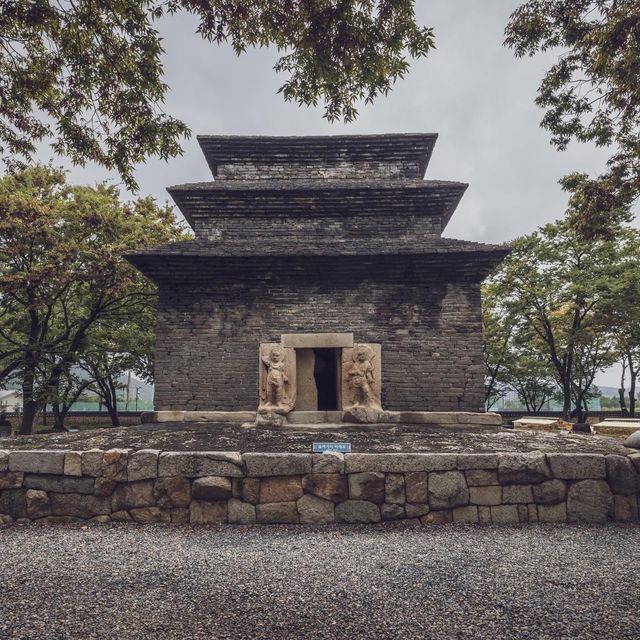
(470, 90)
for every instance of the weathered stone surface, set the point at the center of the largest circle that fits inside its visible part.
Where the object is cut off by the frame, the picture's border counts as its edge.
(523, 512)
(5, 520)
(150, 514)
(37, 504)
(211, 488)
(414, 510)
(550, 492)
(477, 461)
(277, 513)
(533, 512)
(241, 512)
(481, 477)
(392, 511)
(271, 419)
(4, 460)
(416, 487)
(173, 492)
(589, 501)
(114, 464)
(104, 487)
(363, 415)
(517, 494)
(11, 479)
(121, 516)
(246, 489)
(357, 512)
(12, 503)
(635, 459)
(133, 495)
(73, 463)
(58, 520)
(180, 516)
(552, 512)
(394, 488)
(208, 512)
(577, 466)
(484, 515)
(92, 463)
(399, 462)
(505, 514)
(37, 461)
(437, 517)
(100, 519)
(79, 505)
(523, 468)
(485, 496)
(195, 464)
(622, 475)
(143, 465)
(327, 462)
(58, 484)
(277, 464)
(465, 515)
(625, 508)
(330, 486)
(367, 486)
(313, 509)
(633, 441)
(280, 489)
(447, 489)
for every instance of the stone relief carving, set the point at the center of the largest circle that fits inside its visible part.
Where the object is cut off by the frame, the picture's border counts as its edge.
(277, 378)
(361, 372)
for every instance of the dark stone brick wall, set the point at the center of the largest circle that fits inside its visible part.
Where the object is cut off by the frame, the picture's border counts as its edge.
(296, 228)
(428, 322)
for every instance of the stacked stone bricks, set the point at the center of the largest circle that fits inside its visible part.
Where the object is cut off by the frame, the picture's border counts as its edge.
(227, 487)
(314, 235)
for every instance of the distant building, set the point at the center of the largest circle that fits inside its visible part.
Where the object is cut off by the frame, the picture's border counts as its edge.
(10, 400)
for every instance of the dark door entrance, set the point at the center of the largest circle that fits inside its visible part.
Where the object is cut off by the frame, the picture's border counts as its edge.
(325, 373)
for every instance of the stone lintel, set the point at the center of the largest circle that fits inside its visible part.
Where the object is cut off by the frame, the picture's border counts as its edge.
(317, 340)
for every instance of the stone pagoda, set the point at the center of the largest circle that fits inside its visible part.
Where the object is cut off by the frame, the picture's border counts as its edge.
(318, 284)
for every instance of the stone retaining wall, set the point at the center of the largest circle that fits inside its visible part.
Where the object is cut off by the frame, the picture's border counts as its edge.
(121, 485)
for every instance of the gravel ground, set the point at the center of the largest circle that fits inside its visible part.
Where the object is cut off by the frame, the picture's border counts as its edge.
(211, 436)
(128, 582)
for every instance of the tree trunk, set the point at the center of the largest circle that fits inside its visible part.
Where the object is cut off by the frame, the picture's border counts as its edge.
(29, 403)
(632, 395)
(621, 390)
(29, 412)
(111, 402)
(566, 400)
(58, 417)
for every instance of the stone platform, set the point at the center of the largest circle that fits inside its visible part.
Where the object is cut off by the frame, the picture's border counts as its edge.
(438, 418)
(216, 487)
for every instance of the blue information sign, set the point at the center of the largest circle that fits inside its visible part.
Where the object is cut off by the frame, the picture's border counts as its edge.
(321, 447)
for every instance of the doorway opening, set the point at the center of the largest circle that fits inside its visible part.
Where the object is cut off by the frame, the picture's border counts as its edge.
(325, 373)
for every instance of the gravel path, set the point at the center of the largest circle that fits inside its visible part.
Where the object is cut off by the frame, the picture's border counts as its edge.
(127, 582)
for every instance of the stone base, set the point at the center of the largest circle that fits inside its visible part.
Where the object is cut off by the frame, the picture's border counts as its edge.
(618, 427)
(324, 418)
(198, 416)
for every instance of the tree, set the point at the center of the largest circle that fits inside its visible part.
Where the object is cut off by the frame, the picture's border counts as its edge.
(622, 314)
(62, 273)
(113, 352)
(591, 94)
(496, 330)
(89, 74)
(556, 284)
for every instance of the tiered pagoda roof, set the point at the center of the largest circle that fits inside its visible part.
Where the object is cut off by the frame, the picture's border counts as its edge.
(326, 196)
